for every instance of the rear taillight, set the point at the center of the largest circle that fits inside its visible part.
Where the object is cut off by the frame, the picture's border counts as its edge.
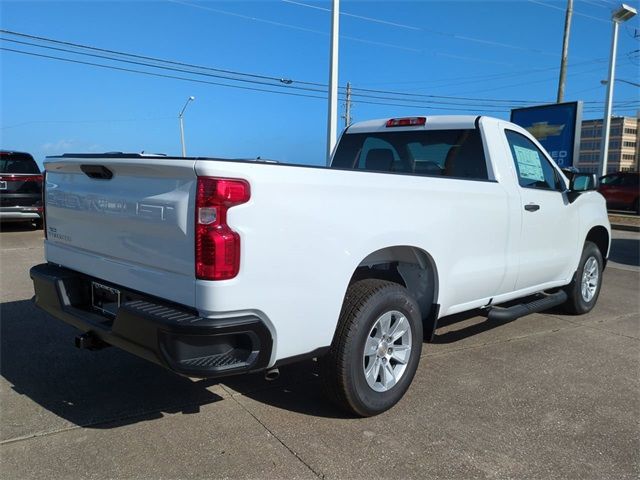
(21, 178)
(217, 245)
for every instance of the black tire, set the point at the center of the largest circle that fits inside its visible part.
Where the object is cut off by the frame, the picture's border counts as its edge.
(342, 368)
(576, 303)
(38, 224)
(636, 206)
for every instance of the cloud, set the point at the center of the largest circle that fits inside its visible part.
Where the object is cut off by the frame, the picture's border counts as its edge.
(65, 146)
(58, 147)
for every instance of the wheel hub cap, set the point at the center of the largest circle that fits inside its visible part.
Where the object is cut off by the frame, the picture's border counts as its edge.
(387, 351)
(590, 277)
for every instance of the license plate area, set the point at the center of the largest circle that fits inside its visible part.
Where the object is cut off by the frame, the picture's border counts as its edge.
(104, 299)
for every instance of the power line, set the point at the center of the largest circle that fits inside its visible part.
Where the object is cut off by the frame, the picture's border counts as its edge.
(562, 9)
(491, 76)
(595, 4)
(234, 79)
(411, 98)
(111, 67)
(500, 87)
(360, 17)
(93, 55)
(282, 83)
(288, 25)
(155, 59)
(509, 101)
(403, 105)
(175, 77)
(423, 29)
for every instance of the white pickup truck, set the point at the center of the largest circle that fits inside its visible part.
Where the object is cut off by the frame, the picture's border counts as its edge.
(213, 267)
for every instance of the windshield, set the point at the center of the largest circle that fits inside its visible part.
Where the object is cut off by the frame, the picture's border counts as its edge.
(450, 153)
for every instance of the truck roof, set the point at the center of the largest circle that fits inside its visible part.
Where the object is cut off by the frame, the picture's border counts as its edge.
(433, 122)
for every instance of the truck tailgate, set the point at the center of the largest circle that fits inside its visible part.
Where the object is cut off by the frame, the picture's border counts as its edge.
(124, 220)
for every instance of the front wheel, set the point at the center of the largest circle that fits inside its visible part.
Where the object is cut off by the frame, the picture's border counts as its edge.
(375, 350)
(583, 291)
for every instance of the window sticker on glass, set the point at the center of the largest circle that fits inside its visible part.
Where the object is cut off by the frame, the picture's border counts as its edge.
(529, 163)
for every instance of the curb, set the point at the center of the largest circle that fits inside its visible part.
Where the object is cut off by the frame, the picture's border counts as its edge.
(627, 228)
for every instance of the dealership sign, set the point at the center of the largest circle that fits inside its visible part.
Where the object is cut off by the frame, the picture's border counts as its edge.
(556, 126)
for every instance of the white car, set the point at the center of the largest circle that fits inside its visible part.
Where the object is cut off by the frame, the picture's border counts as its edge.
(214, 267)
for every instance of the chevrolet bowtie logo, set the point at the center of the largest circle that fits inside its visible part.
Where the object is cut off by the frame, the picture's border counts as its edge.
(542, 130)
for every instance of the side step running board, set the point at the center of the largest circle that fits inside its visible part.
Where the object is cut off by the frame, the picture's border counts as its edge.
(507, 314)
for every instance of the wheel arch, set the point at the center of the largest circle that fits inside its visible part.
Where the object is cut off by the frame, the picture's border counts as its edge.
(600, 236)
(413, 268)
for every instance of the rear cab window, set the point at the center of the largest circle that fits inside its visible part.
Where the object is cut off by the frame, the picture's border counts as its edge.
(442, 153)
(18, 163)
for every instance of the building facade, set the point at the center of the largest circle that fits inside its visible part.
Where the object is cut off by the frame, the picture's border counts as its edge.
(624, 140)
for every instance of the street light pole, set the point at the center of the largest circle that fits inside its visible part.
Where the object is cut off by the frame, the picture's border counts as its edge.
(332, 118)
(180, 117)
(623, 14)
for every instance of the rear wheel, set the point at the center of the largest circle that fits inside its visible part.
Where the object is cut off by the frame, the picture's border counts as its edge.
(583, 291)
(375, 350)
(636, 206)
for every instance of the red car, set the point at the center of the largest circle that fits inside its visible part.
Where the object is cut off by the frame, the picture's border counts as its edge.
(621, 190)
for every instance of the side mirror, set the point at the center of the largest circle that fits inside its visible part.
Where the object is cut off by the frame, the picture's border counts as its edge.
(583, 182)
(580, 183)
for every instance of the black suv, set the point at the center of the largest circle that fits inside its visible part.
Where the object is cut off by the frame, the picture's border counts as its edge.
(20, 188)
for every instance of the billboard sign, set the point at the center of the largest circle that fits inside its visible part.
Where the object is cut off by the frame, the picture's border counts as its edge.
(556, 126)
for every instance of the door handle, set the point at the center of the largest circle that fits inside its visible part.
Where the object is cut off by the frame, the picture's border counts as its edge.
(97, 171)
(532, 207)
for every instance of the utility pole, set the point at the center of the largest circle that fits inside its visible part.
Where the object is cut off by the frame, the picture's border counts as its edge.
(347, 106)
(332, 114)
(565, 51)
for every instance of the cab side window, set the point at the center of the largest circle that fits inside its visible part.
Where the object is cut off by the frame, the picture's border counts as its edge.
(533, 168)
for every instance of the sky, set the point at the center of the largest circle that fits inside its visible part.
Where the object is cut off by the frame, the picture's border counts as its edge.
(420, 58)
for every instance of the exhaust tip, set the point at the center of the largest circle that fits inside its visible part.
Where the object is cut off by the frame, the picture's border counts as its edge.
(272, 374)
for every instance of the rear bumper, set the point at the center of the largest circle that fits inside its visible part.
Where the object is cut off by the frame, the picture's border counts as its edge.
(20, 213)
(167, 334)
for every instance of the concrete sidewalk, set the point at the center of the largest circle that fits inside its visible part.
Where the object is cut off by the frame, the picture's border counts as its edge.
(546, 396)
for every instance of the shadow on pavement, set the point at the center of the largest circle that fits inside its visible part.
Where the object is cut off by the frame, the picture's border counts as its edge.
(625, 251)
(39, 360)
(469, 324)
(17, 227)
(467, 329)
(110, 388)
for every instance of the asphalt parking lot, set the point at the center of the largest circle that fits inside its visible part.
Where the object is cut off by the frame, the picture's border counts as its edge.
(546, 396)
